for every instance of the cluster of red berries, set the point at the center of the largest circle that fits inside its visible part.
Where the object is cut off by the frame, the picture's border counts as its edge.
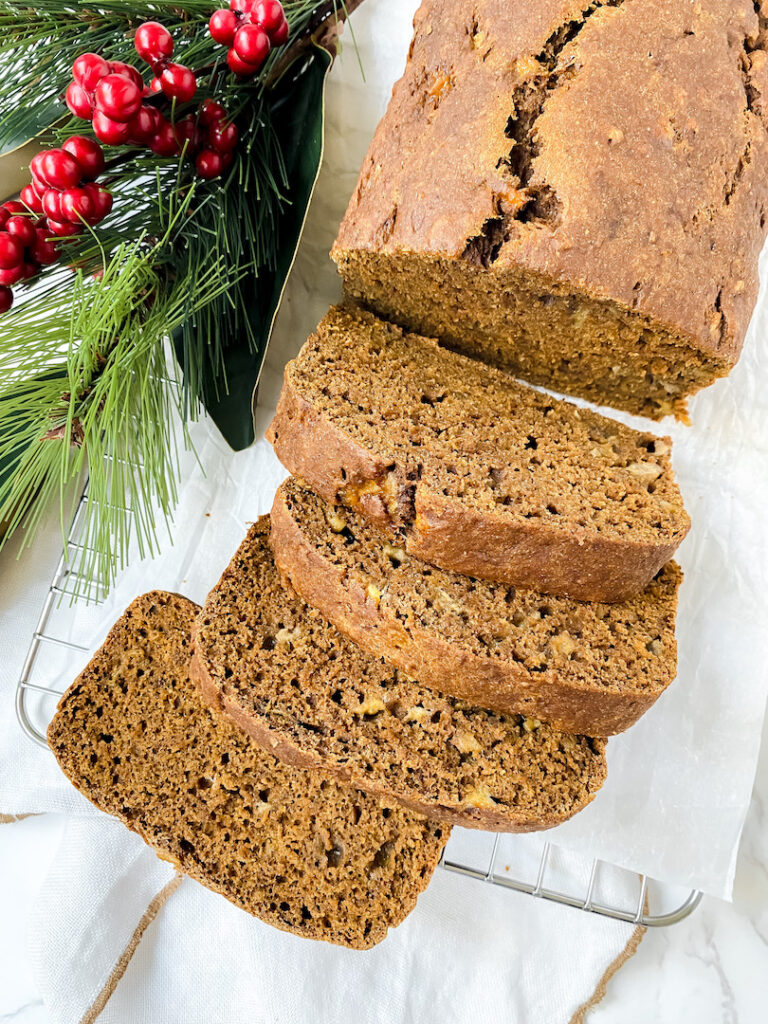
(154, 44)
(250, 28)
(209, 137)
(110, 94)
(64, 186)
(24, 248)
(63, 195)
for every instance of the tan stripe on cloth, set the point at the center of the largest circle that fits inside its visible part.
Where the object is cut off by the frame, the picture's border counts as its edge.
(125, 958)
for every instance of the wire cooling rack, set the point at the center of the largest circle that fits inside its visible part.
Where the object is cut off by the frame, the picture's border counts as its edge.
(525, 864)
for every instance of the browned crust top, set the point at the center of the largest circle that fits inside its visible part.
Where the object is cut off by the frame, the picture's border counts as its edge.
(618, 146)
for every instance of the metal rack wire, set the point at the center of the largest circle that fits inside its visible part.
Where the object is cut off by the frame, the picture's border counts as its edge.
(512, 863)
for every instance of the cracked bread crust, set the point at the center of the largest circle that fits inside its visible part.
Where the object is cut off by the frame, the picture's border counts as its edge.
(472, 471)
(585, 192)
(291, 847)
(583, 668)
(279, 670)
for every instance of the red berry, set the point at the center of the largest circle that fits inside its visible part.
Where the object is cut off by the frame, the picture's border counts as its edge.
(52, 204)
(211, 113)
(76, 205)
(280, 36)
(39, 186)
(29, 268)
(101, 200)
(223, 137)
(143, 125)
(209, 164)
(222, 26)
(63, 229)
(240, 67)
(59, 169)
(13, 207)
(12, 275)
(164, 141)
(188, 132)
(118, 67)
(6, 299)
(111, 133)
(22, 229)
(155, 85)
(244, 6)
(88, 69)
(153, 42)
(78, 101)
(31, 199)
(4, 215)
(269, 14)
(179, 82)
(44, 251)
(11, 252)
(89, 155)
(252, 44)
(36, 165)
(117, 97)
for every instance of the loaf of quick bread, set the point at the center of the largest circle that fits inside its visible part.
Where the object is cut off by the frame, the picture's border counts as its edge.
(576, 191)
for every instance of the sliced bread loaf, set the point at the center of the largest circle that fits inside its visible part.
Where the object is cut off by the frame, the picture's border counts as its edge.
(314, 699)
(473, 471)
(591, 668)
(292, 847)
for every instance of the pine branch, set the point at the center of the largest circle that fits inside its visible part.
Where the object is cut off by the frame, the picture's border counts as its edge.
(107, 409)
(83, 360)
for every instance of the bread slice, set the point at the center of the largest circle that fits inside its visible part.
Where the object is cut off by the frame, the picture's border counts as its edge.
(473, 471)
(289, 846)
(314, 699)
(591, 668)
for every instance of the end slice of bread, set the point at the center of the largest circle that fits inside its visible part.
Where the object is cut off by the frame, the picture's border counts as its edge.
(583, 667)
(315, 699)
(291, 847)
(473, 471)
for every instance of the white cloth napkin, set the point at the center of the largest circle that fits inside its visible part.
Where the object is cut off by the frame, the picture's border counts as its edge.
(678, 785)
(466, 949)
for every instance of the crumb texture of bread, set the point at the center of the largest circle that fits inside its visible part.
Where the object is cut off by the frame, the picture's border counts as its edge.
(314, 698)
(583, 667)
(585, 194)
(472, 470)
(291, 847)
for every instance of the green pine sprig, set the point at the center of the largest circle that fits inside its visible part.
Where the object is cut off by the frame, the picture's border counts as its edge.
(86, 383)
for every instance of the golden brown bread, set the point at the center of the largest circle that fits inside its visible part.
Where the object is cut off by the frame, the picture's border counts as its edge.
(574, 190)
(584, 668)
(314, 699)
(292, 847)
(473, 471)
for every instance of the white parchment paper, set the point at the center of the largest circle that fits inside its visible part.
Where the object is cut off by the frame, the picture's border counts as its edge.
(679, 782)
